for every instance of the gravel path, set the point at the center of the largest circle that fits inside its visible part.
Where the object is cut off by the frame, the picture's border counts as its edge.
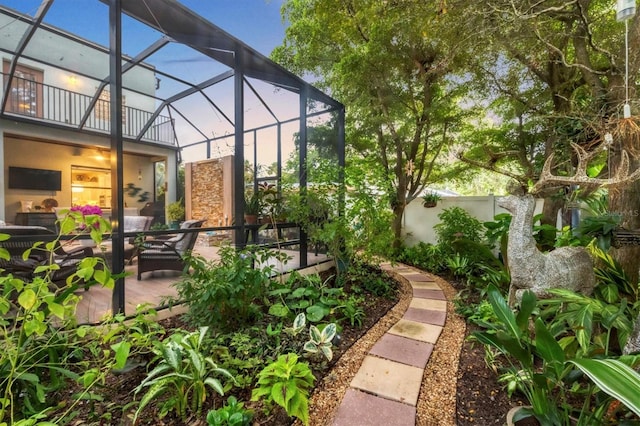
(437, 401)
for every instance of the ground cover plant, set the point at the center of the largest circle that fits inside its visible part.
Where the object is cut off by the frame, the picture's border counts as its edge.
(276, 334)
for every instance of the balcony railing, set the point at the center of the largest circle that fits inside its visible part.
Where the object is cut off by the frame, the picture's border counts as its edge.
(43, 102)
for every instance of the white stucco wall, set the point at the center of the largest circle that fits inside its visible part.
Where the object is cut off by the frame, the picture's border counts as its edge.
(419, 221)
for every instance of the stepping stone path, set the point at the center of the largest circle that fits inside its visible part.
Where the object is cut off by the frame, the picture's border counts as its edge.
(385, 389)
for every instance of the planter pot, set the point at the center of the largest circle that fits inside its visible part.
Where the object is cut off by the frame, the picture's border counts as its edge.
(528, 421)
(429, 204)
(251, 219)
(174, 224)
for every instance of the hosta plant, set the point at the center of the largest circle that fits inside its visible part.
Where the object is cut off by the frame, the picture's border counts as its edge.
(321, 341)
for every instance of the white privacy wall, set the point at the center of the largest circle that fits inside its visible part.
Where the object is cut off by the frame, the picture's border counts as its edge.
(419, 221)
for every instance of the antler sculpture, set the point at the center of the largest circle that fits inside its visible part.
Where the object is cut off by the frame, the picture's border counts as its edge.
(580, 177)
(564, 267)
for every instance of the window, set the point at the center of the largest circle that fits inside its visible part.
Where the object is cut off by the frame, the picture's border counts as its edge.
(102, 109)
(25, 95)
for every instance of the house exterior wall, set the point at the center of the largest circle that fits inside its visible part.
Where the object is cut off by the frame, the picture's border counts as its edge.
(78, 68)
(62, 157)
(74, 59)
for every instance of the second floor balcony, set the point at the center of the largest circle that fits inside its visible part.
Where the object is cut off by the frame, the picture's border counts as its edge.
(32, 99)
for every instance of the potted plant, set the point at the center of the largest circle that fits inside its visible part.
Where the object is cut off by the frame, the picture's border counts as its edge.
(175, 213)
(430, 199)
(252, 207)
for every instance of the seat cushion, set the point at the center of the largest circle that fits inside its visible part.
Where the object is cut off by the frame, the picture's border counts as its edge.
(134, 223)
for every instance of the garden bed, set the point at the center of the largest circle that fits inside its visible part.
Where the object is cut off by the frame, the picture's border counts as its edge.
(116, 405)
(458, 387)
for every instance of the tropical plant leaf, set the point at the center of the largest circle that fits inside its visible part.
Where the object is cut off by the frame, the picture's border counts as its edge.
(546, 344)
(504, 312)
(527, 305)
(614, 378)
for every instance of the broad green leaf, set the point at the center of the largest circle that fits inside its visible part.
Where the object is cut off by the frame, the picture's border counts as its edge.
(327, 352)
(215, 385)
(279, 393)
(316, 312)
(310, 347)
(27, 377)
(546, 344)
(57, 310)
(504, 312)
(34, 326)
(583, 325)
(156, 390)
(299, 321)
(329, 332)
(609, 293)
(315, 334)
(27, 299)
(278, 310)
(121, 350)
(615, 379)
(527, 305)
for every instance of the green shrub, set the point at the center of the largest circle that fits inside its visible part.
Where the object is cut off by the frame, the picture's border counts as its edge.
(286, 382)
(425, 256)
(42, 347)
(455, 223)
(227, 293)
(545, 340)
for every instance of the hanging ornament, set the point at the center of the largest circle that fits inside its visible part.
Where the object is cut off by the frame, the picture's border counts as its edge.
(625, 9)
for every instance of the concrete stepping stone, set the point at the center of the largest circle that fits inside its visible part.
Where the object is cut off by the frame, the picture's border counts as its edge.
(427, 316)
(434, 305)
(428, 333)
(404, 350)
(363, 409)
(389, 379)
(429, 294)
(425, 285)
(416, 277)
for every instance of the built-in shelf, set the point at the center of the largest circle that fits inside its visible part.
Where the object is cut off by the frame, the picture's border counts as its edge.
(91, 185)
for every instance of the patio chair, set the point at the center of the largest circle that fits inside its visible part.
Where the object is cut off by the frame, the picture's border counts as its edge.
(66, 259)
(168, 254)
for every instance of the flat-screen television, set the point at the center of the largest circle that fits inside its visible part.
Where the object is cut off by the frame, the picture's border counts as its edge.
(26, 178)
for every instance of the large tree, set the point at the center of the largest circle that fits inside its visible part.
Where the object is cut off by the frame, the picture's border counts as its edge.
(571, 56)
(392, 64)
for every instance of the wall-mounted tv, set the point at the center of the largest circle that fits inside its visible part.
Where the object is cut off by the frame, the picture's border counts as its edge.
(25, 178)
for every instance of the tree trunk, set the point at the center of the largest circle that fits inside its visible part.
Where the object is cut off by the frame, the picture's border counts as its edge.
(398, 214)
(625, 202)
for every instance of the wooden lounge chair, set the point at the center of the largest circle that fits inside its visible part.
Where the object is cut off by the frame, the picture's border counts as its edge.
(168, 255)
(22, 238)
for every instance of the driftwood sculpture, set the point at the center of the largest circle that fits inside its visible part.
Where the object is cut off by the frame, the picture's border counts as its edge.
(565, 267)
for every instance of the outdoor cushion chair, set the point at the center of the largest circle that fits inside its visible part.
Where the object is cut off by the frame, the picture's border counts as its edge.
(168, 254)
(16, 265)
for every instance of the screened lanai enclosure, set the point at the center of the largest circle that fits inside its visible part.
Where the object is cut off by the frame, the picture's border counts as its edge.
(151, 76)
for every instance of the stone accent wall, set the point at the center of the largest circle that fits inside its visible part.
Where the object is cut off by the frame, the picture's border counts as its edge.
(208, 185)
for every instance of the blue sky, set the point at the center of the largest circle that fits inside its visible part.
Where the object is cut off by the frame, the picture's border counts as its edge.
(255, 22)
